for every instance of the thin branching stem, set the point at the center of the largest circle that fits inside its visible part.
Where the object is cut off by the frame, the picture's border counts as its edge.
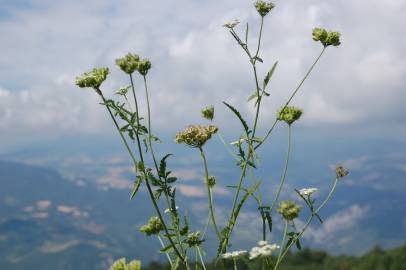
(167, 254)
(309, 220)
(209, 194)
(151, 194)
(175, 219)
(281, 250)
(292, 96)
(285, 170)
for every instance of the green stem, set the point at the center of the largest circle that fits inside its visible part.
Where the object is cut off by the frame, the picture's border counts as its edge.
(201, 257)
(292, 96)
(309, 220)
(235, 264)
(255, 124)
(283, 177)
(175, 220)
(285, 231)
(145, 175)
(167, 255)
(209, 195)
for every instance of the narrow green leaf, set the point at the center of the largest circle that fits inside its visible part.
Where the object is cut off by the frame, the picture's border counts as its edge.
(135, 188)
(237, 113)
(269, 74)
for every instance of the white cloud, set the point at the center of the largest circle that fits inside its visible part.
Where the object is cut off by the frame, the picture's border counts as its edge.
(196, 62)
(341, 232)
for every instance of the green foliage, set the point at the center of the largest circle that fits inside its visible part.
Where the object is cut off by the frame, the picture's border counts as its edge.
(306, 259)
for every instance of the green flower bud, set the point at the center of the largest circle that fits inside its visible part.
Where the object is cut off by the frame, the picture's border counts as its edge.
(289, 210)
(289, 114)
(263, 7)
(128, 63)
(208, 113)
(326, 38)
(341, 172)
(193, 239)
(211, 181)
(134, 265)
(144, 66)
(92, 79)
(122, 265)
(333, 38)
(154, 226)
(320, 34)
(195, 135)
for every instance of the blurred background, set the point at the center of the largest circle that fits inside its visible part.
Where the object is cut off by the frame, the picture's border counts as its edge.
(65, 178)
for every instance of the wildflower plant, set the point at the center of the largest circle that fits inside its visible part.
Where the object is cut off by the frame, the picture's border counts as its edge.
(172, 228)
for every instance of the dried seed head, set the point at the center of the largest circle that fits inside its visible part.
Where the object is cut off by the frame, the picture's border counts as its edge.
(208, 113)
(326, 38)
(289, 210)
(154, 226)
(341, 172)
(263, 7)
(92, 79)
(195, 135)
(289, 114)
(144, 66)
(128, 63)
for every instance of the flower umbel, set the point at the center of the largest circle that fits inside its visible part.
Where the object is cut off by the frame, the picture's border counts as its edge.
(92, 79)
(128, 63)
(262, 250)
(122, 91)
(154, 226)
(195, 135)
(307, 192)
(341, 172)
(263, 7)
(231, 24)
(234, 254)
(193, 239)
(208, 113)
(289, 210)
(289, 114)
(326, 38)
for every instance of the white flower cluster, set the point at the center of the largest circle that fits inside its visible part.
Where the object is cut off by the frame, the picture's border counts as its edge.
(262, 250)
(167, 210)
(306, 192)
(231, 24)
(234, 254)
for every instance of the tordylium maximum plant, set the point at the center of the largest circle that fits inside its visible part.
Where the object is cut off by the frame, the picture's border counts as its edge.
(182, 244)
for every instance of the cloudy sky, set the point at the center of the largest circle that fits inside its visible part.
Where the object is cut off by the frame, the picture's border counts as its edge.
(355, 95)
(45, 44)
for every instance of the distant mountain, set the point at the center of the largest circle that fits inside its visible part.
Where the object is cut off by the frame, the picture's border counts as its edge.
(84, 221)
(47, 222)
